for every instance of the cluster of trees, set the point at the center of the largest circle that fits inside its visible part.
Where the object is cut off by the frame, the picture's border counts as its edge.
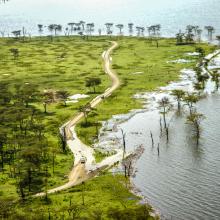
(84, 29)
(74, 211)
(3, 1)
(25, 152)
(183, 99)
(190, 99)
(202, 77)
(194, 33)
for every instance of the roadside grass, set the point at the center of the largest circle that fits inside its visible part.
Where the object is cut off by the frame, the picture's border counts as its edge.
(100, 194)
(99, 156)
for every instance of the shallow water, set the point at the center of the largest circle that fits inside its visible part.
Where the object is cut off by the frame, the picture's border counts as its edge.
(171, 14)
(183, 181)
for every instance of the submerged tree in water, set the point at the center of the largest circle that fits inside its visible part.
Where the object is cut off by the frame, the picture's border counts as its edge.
(190, 100)
(215, 78)
(195, 119)
(179, 95)
(165, 106)
(218, 39)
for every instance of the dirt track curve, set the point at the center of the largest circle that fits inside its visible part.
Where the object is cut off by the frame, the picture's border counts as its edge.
(82, 172)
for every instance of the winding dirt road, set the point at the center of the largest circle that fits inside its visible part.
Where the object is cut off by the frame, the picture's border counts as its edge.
(82, 172)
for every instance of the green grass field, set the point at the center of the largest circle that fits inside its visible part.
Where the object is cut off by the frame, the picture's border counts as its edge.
(100, 194)
(64, 64)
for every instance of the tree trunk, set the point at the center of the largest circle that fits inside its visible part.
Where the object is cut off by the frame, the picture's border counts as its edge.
(179, 106)
(21, 191)
(85, 116)
(164, 119)
(167, 134)
(2, 158)
(29, 179)
(53, 161)
(45, 107)
(83, 196)
(125, 171)
(161, 128)
(152, 139)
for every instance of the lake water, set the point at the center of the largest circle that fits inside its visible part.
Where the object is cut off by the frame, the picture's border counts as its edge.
(173, 15)
(183, 181)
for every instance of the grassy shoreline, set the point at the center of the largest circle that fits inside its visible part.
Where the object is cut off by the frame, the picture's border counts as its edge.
(141, 67)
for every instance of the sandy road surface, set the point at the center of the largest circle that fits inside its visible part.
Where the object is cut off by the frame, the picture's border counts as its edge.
(82, 172)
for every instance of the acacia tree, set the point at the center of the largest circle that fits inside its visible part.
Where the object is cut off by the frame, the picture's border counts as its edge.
(201, 77)
(120, 27)
(54, 28)
(190, 100)
(195, 119)
(82, 24)
(199, 34)
(215, 77)
(179, 38)
(138, 29)
(71, 24)
(15, 53)
(178, 94)
(40, 29)
(63, 96)
(154, 30)
(124, 143)
(130, 28)
(90, 28)
(201, 52)
(109, 30)
(218, 39)
(63, 138)
(210, 30)
(47, 98)
(86, 109)
(93, 82)
(27, 94)
(164, 106)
